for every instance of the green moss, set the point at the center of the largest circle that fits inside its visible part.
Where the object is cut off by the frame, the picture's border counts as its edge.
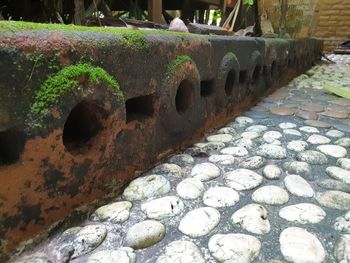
(65, 81)
(171, 67)
(135, 40)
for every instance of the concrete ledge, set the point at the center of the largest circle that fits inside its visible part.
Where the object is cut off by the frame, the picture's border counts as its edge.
(84, 110)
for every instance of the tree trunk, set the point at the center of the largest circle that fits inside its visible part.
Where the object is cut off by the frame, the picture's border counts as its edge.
(79, 12)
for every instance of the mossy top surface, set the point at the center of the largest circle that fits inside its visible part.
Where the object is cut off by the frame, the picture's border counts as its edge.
(171, 67)
(67, 80)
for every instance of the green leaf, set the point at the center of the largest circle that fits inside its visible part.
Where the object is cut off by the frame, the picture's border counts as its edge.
(248, 2)
(340, 91)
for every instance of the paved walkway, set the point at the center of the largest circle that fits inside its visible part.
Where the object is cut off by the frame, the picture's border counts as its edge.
(271, 186)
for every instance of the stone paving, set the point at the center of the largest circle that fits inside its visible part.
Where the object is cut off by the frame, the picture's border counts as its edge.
(271, 186)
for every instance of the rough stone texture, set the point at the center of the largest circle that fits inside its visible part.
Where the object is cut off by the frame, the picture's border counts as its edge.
(163, 207)
(235, 151)
(270, 194)
(222, 159)
(181, 251)
(120, 255)
(220, 196)
(297, 146)
(283, 111)
(271, 151)
(295, 167)
(190, 188)
(342, 223)
(272, 172)
(254, 162)
(339, 174)
(205, 171)
(298, 186)
(303, 213)
(334, 199)
(117, 212)
(243, 179)
(344, 163)
(312, 157)
(220, 138)
(318, 139)
(342, 249)
(345, 142)
(335, 151)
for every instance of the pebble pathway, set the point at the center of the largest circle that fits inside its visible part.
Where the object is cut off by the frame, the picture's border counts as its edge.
(272, 187)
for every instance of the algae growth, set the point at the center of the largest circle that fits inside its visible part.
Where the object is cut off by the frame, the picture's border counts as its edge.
(172, 66)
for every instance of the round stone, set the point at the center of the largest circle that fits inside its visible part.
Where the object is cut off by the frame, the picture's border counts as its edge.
(271, 136)
(145, 187)
(227, 130)
(309, 129)
(335, 151)
(342, 223)
(335, 114)
(120, 255)
(243, 179)
(222, 159)
(287, 125)
(208, 147)
(182, 159)
(341, 102)
(270, 194)
(271, 151)
(335, 134)
(316, 123)
(312, 107)
(307, 115)
(252, 218)
(242, 120)
(342, 249)
(163, 207)
(300, 246)
(205, 171)
(257, 128)
(168, 169)
(190, 188)
(234, 248)
(344, 142)
(303, 213)
(199, 222)
(144, 234)
(334, 199)
(298, 186)
(318, 139)
(220, 138)
(297, 146)
(244, 142)
(295, 167)
(235, 151)
(254, 162)
(117, 212)
(344, 163)
(272, 171)
(35, 259)
(334, 185)
(250, 135)
(292, 132)
(312, 157)
(283, 111)
(181, 251)
(339, 174)
(220, 196)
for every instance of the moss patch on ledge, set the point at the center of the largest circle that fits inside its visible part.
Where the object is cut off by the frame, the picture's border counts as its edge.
(172, 66)
(67, 80)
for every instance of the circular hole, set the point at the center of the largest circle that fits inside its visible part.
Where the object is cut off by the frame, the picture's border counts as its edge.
(83, 123)
(256, 74)
(230, 82)
(184, 96)
(11, 146)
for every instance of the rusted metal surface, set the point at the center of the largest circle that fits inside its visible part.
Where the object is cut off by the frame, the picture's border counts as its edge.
(90, 144)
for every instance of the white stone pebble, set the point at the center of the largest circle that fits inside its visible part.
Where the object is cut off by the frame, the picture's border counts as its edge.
(335, 133)
(199, 222)
(254, 162)
(271, 151)
(235, 151)
(243, 120)
(272, 171)
(220, 138)
(190, 188)
(292, 132)
(344, 163)
(270, 194)
(345, 142)
(298, 186)
(234, 248)
(181, 251)
(287, 125)
(271, 136)
(117, 212)
(205, 171)
(250, 135)
(334, 199)
(338, 174)
(257, 128)
(244, 142)
(303, 213)
(222, 159)
(342, 249)
(297, 146)
(312, 157)
(309, 129)
(243, 179)
(163, 207)
(120, 255)
(335, 151)
(300, 246)
(342, 223)
(220, 196)
(318, 139)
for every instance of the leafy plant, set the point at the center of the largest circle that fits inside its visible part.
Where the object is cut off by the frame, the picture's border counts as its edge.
(248, 2)
(339, 91)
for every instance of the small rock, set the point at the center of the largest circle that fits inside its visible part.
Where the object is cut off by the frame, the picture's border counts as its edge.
(283, 111)
(234, 248)
(272, 172)
(227, 130)
(333, 150)
(257, 128)
(145, 187)
(287, 125)
(271, 136)
(222, 159)
(181, 251)
(250, 135)
(182, 159)
(163, 207)
(307, 115)
(254, 162)
(335, 134)
(335, 114)
(144, 234)
(298, 186)
(177, 25)
(309, 129)
(220, 138)
(344, 142)
(297, 146)
(34, 259)
(300, 246)
(318, 139)
(242, 120)
(243, 179)
(334, 185)
(341, 102)
(312, 157)
(205, 171)
(244, 142)
(344, 163)
(316, 123)
(199, 222)
(292, 132)
(313, 107)
(220, 196)
(168, 169)
(271, 151)
(235, 151)
(253, 218)
(342, 249)
(303, 213)
(339, 174)
(334, 199)
(342, 223)
(270, 194)
(295, 167)
(117, 212)
(120, 255)
(190, 188)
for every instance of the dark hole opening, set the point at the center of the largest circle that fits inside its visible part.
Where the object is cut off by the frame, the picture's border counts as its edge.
(83, 123)
(11, 146)
(242, 76)
(139, 108)
(273, 69)
(230, 82)
(207, 88)
(184, 96)
(256, 74)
